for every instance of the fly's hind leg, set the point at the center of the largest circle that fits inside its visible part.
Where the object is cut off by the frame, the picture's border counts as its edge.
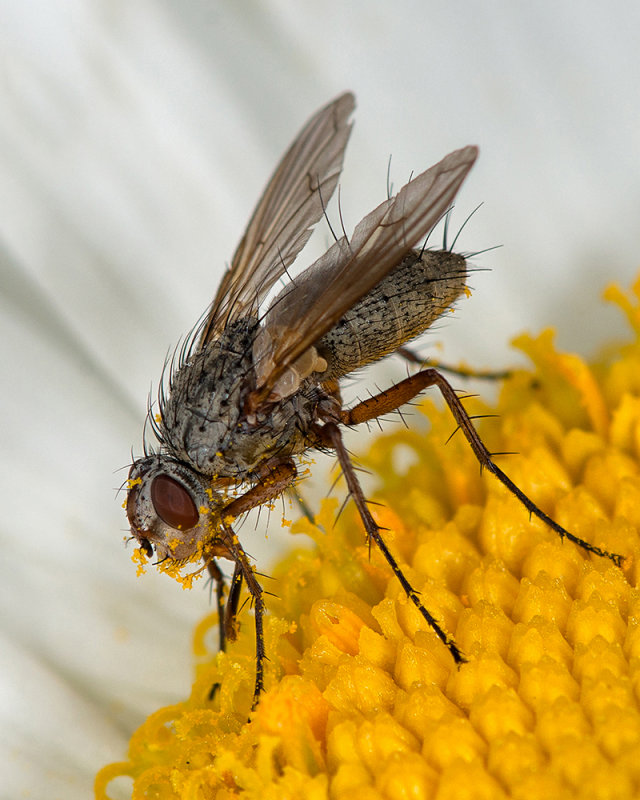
(397, 395)
(462, 372)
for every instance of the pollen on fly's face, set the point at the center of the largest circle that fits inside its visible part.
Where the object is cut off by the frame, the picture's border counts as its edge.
(250, 392)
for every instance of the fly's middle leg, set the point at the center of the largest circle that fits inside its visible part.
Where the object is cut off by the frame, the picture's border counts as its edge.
(333, 438)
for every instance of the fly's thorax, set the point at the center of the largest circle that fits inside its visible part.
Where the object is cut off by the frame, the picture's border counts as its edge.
(402, 306)
(204, 422)
(173, 511)
(204, 407)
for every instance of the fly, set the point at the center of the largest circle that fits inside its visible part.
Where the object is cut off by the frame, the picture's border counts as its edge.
(250, 392)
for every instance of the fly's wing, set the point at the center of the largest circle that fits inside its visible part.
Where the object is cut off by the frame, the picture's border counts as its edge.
(317, 298)
(282, 222)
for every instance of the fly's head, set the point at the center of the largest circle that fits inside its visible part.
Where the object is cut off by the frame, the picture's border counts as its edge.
(173, 511)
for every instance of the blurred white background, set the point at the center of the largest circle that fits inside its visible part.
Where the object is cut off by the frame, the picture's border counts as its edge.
(135, 138)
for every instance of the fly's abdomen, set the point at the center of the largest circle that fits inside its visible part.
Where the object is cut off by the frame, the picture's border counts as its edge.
(399, 308)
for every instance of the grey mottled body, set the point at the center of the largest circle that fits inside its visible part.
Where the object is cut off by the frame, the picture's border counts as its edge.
(402, 306)
(204, 422)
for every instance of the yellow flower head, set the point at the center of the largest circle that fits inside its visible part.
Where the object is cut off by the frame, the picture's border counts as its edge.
(363, 701)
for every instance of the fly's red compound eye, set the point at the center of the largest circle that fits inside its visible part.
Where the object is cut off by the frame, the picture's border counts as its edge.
(173, 503)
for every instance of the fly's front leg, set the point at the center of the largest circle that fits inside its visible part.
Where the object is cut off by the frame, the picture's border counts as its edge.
(270, 485)
(407, 389)
(231, 609)
(217, 577)
(228, 630)
(226, 611)
(245, 571)
(332, 436)
(275, 481)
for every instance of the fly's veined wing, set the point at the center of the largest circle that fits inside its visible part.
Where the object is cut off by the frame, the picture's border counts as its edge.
(282, 222)
(317, 298)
